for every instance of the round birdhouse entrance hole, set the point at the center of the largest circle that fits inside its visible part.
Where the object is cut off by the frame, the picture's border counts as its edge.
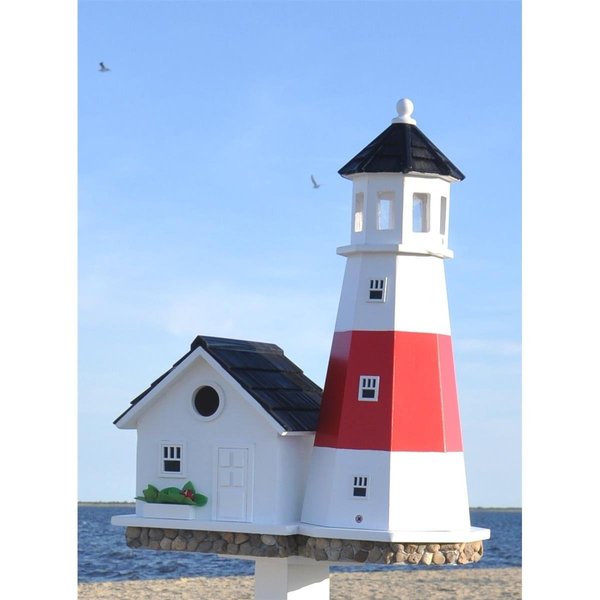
(207, 401)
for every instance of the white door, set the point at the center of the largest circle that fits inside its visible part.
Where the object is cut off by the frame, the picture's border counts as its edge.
(232, 484)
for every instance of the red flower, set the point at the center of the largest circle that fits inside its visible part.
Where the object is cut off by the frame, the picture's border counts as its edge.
(188, 494)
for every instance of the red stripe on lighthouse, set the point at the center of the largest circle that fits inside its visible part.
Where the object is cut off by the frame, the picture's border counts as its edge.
(417, 405)
(449, 396)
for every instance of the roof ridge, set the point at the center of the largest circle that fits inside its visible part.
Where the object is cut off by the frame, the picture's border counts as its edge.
(207, 341)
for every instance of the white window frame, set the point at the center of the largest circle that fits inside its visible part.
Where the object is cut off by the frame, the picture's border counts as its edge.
(361, 483)
(171, 448)
(424, 200)
(443, 215)
(221, 394)
(368, 383)
(386, 199)
(377, 285)
(359, 212)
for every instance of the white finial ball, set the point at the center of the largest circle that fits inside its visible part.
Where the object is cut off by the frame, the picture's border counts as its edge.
(405, 109)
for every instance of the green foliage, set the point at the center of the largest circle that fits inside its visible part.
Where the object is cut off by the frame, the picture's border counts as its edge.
(172, 495)
(200, 499)
(150, 494)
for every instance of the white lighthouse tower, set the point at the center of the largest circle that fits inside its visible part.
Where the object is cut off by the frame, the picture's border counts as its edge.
(387, 460)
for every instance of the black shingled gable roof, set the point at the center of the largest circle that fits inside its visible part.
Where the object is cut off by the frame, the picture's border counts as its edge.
(263, 370)
(401, 148)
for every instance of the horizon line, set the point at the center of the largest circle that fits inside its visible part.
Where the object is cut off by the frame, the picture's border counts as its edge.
(132, 502)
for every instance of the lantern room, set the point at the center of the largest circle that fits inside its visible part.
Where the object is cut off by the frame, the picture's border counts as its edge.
(401, 191)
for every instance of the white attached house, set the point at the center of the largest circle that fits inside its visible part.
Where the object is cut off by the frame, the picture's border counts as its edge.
(237, 419)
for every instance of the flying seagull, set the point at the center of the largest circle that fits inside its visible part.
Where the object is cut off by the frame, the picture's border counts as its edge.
(315, 184)
(102, 68)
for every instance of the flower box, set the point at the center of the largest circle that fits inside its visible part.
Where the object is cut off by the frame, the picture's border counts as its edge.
(164, 511)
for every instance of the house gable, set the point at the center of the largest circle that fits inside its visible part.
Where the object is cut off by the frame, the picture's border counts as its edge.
(264, 375)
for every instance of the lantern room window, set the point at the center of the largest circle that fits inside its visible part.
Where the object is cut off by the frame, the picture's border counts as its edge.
(172, 457)
(385, 210)
(368, 388)
(421, 213)
(443, 211)
(359, 208)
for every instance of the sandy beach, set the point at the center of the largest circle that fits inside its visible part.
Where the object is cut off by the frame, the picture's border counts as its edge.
(443, 584)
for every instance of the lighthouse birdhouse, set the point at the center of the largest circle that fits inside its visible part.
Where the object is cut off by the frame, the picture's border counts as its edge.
(388, 452)
(240, 454)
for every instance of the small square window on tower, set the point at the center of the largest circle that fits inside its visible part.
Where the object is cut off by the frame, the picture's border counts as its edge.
(377, 290)
(359, 489)
(172, 457)
(368, 388)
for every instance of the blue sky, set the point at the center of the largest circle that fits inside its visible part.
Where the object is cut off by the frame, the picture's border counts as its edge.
(196, 214)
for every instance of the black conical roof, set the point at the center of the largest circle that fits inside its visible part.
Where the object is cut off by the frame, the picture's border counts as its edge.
(401, 148)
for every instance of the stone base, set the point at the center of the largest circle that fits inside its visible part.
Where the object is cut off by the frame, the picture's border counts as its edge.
(319, 549)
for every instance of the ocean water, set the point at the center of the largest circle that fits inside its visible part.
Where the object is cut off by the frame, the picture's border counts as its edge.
(103, 554)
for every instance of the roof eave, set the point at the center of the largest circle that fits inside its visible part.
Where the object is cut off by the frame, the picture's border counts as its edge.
(128, 420)
(450, 178)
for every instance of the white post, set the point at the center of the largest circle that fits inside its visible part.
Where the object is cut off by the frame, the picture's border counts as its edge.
(290, 579)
